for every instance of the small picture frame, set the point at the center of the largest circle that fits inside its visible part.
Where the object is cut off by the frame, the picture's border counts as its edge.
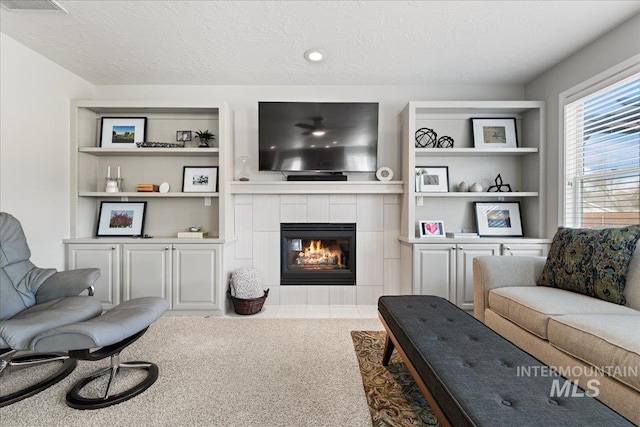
(432, 179)
(494, 133)
(432, 229)
(183, 135)
(200, 179)
(498, 219)
(121, 219)
(122, 132)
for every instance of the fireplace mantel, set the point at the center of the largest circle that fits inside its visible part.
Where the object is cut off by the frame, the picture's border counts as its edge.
(315, 187)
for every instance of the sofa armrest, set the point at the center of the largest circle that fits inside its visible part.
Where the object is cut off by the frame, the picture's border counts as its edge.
(67, 283)
(491, 272)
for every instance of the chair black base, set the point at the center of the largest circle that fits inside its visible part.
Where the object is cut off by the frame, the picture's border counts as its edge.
(68, 365)
(74, 400)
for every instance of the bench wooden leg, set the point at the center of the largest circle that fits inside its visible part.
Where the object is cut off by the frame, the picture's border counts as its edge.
(388, 349)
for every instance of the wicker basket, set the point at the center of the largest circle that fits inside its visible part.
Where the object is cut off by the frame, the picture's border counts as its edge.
(248, 306)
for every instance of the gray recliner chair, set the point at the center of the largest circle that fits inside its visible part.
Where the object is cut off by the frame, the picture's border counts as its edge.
(46, 317)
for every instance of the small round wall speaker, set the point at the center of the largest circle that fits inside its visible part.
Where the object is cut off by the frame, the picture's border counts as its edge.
(384, 174)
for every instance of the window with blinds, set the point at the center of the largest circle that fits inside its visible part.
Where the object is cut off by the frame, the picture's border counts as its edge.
(602, 157)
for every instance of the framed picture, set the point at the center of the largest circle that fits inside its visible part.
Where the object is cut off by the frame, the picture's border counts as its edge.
(183, 135)
(432, 179)
(121, 219)
(200, 179)
(122, 132)
(498, 219)
(432, 229)
(494, 133)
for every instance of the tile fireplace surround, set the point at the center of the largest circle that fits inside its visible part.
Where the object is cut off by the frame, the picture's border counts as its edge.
(377, 217)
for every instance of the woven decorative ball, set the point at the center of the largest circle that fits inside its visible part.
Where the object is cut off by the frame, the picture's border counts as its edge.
(426, 137)
(445, 142)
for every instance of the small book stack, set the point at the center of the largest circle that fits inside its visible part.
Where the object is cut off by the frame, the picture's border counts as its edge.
(462, 235)
(148, 188)
(192, 234)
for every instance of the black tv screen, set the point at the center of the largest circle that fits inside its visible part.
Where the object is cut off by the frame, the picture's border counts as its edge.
(318, 136)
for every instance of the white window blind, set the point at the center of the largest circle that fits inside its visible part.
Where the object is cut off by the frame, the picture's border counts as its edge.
(602, 157)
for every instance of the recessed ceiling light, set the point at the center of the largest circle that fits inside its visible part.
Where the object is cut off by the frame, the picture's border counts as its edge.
(314, 55)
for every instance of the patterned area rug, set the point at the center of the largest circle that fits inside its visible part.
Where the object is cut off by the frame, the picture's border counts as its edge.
(394, 398)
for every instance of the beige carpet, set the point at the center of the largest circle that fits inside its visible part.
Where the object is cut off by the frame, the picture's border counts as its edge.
(393, 396)
(227, 372)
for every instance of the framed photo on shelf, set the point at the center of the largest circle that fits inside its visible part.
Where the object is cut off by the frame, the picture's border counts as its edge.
(432, 179)
(494, 133)
(122, 132)
(121, 219)
(432, 229)
(200, 179)
(498, 219)
(183, 135)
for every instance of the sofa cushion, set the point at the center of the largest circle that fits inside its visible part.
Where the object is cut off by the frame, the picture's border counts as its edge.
(593, 262)
(530, 307)
(632, 288)
(605, 341)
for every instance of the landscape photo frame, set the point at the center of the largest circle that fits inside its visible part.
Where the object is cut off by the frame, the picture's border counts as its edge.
(498, 219)
(494, 133)
(122, 132)
(200, 179)
(121, 219)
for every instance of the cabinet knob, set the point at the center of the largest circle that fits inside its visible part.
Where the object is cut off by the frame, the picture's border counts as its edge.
(113, 248)
(453, 248)
(460, 248)
(166, 248)
(508, 248)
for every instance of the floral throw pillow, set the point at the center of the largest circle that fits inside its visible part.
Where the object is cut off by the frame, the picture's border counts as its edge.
(593, 262)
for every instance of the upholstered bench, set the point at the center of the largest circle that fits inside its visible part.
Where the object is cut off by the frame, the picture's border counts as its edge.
(471, 376)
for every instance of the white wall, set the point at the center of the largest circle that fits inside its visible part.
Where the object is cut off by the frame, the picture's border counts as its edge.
(243, 100)
(616, 46)
(34, 146)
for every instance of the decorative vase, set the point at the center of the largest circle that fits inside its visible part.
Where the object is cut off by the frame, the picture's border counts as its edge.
(463, 187)
(476, 188)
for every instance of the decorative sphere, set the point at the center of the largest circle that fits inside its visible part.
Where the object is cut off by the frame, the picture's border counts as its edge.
(445, 142)
(426, 137)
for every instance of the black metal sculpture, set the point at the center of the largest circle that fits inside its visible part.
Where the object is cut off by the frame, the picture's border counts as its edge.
(499, 185)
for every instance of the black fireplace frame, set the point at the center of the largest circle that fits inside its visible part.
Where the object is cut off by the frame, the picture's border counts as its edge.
(318, 231)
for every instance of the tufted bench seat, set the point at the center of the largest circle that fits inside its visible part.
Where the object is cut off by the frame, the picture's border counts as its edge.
(471, 376)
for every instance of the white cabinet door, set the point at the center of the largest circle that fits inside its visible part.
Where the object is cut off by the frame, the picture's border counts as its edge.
(146, 271)
(105, 257)
(434, 270)
(196, 277)
(525, 249)
(464, 274)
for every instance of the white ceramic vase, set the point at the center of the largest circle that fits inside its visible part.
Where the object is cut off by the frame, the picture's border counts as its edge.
(476, 188)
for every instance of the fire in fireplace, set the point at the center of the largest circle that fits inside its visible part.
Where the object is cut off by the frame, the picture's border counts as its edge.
(318, 254)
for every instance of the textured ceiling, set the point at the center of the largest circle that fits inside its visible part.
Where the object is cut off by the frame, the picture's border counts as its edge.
(262, 42)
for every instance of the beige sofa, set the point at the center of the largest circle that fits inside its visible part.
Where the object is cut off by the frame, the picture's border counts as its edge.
(566, 330)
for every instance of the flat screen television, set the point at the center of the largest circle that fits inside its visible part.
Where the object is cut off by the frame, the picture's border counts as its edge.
(318, 136)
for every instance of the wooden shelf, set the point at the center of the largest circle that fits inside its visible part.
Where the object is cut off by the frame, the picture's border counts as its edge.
(145, 194)
(176, 152)
(473, 152)
(470, 194)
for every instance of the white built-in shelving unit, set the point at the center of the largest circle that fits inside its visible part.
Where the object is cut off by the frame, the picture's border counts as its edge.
(187, 272)
(444, 266)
